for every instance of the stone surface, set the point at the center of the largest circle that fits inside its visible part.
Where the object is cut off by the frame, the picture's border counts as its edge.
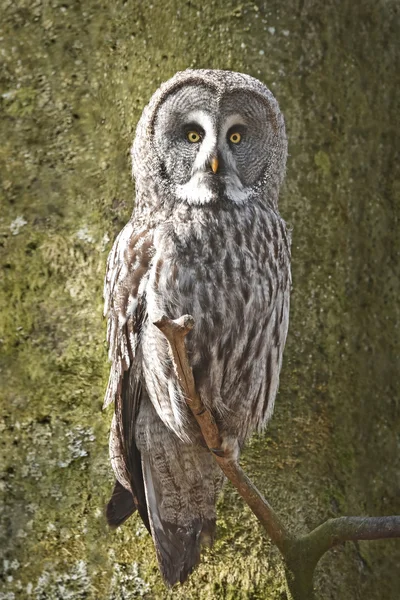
(74, 79)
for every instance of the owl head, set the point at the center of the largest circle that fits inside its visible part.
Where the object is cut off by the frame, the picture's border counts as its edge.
(208, 135)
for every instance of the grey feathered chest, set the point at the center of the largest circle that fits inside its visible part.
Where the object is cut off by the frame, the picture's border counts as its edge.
(230, 270)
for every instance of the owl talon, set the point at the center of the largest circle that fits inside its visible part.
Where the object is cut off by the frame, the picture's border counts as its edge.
(218, 451)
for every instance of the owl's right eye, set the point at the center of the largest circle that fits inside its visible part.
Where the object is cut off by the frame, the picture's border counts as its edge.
(193, 137)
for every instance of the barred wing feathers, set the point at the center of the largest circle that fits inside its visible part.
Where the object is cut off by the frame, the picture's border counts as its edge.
(125, 305)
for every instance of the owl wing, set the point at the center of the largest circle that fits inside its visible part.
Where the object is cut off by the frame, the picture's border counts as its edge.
(125, 305)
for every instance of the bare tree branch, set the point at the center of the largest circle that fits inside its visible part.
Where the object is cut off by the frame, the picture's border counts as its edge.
(300, 553)
(343, 529)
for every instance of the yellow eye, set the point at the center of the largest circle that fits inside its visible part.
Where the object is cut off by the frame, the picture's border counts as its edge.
(235, 137)
(193, 137)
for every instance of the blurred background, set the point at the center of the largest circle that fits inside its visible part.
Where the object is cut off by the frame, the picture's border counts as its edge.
(74, 79)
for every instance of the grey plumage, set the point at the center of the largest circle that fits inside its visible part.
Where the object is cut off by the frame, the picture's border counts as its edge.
(211, 244)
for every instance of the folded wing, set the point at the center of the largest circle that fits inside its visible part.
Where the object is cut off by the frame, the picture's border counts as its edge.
(125, 305)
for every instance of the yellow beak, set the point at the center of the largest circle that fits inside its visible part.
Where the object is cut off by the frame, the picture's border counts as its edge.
(214, 164)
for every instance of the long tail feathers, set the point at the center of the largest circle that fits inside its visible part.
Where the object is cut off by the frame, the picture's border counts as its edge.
(177, 547)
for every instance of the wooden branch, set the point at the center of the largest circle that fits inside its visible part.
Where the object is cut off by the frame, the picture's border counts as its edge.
(300, 553)
(175, 332)
(343, 529)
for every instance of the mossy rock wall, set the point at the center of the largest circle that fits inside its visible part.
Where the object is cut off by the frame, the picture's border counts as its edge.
(74, 79)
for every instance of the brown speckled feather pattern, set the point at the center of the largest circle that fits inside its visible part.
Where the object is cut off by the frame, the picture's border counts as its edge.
(228, 265)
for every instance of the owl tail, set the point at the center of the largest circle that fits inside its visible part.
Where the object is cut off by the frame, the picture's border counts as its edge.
(177, 545)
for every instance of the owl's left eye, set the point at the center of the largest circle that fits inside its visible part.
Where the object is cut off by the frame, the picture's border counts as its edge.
(235, 137)
(193, 136)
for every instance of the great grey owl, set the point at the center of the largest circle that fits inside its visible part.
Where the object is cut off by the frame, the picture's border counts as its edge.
(206, 239)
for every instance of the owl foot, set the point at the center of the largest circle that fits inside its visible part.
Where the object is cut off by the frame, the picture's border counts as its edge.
(229, 448)
(219, 452)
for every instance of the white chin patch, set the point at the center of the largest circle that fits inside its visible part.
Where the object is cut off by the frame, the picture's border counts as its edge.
(198, 191)
(195, 191)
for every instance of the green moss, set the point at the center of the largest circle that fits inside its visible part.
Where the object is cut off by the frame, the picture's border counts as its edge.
(323, 162)
(74, 82)
(20, 102)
